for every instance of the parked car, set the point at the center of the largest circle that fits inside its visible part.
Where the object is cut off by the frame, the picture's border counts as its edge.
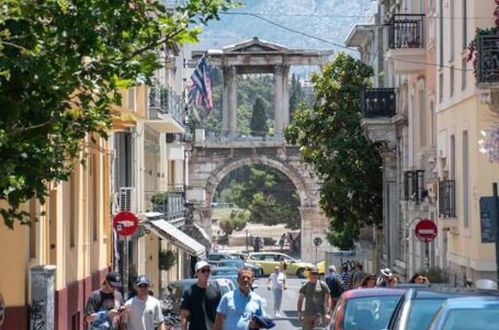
(418, 305)
(269, 260)
(224, 271)
(240, 255)
(177, 289)
(215, 257)
(321, 267)
(368, 309)
(467, 313)
(257, 269)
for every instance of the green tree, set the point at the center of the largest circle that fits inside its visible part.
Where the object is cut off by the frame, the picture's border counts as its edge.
(333, 142)
(297, 95)
(62, 65)
(237, 221)
(258, 123)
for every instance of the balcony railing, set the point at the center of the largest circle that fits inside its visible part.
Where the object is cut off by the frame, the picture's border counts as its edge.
(488, 59)
(406, 31)
(163, 100)
(447, 198)
(379, 102)
(171, 203)
(414, 186)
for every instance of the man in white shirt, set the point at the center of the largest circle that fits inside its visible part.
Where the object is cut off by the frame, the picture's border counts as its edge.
(143, 310)
(277, 282)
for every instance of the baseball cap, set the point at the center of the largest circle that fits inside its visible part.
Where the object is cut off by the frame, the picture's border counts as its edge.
(114, 279)
(142, 280)
(201, 264)
(332, 268)
(313, 270)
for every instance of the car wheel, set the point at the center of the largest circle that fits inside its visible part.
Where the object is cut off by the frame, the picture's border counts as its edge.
(301, 273)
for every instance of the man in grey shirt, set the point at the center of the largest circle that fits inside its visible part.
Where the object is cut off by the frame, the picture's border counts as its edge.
(143, 310)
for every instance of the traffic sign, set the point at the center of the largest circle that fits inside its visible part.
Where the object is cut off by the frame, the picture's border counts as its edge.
(125, 223)
(317, 241)
(426, 230)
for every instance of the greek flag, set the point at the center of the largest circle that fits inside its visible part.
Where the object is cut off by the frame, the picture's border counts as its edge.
(200, 91)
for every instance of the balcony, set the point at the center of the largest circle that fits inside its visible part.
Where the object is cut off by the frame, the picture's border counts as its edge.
(166, 110)
(170, 203)
(406, 43)
(488, 61)
(414, 186)
(447, 205)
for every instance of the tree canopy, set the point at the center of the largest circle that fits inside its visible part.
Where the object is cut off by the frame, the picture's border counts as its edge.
(258, 124)
(62, 65)
(333, 142)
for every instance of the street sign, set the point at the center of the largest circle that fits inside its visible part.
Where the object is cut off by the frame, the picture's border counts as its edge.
(125, 223)
(426, 230)
(488, 216)
(317, 241)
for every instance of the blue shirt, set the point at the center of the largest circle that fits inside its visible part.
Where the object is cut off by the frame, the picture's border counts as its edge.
(239, 309)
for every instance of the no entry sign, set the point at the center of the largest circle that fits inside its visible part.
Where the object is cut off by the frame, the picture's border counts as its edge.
(426, 230)
(125, 223)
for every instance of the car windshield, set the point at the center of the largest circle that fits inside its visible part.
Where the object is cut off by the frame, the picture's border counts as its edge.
(461, 319)
(231, 263)
(421, 313)
(369, 313)
(224, 271)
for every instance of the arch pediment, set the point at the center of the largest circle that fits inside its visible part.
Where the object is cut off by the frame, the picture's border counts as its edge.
(254, 45)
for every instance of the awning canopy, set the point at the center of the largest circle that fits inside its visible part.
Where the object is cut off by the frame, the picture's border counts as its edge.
(198, 233)
(178, 238)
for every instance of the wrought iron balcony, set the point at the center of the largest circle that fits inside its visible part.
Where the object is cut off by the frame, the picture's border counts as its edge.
(379, 102)
(488, 59)
(406, 31)
(164, 101)
(171, 203)
(414, 186)
(447, 198)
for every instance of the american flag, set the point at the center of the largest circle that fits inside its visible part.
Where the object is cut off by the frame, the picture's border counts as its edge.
(200, 91)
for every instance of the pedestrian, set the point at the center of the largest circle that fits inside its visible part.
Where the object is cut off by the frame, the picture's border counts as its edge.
(357, 276)
(335, 285)
(105, 306)
(282, 241)
(368, 282)
(418, 278)
(238, 308)
(277, 283)
(143, 312)
(317, 301)
(386, 273)
(345, 277)
(200, 301)
(393, 281)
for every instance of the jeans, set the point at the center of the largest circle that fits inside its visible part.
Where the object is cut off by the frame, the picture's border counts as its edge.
(277, 299)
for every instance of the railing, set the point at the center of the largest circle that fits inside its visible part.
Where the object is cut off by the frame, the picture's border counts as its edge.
(379, 102)
(488, 59)
(447, 198)
(414, 186)
(163, 100)
(171, 203)
(237, 136)
(406, 31)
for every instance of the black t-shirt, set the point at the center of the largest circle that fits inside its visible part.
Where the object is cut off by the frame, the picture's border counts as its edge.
(193, 301)
(101, 301)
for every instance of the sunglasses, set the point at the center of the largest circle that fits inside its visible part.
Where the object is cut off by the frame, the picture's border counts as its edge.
(205, 270)
(143, 286)
(314, 273)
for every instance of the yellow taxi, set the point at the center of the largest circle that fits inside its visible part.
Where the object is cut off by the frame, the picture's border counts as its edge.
(321, 267)
(268, 261)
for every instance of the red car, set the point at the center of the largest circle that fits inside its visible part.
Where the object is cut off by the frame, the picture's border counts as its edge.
(365, 309)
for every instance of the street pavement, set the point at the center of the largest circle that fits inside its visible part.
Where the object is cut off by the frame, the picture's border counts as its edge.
(288, 319)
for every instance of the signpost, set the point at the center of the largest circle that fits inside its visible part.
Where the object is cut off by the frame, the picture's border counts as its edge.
(426, 230)
(317, 242)
(125, 224)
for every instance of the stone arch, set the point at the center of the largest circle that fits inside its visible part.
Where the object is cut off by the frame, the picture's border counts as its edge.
(219, 174)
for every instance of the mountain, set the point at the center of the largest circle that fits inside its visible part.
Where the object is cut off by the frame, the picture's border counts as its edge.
(325, 19)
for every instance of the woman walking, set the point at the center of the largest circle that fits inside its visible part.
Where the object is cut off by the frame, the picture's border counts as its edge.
(277, 283)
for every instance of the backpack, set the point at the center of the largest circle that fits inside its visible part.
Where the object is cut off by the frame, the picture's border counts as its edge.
(335, 287)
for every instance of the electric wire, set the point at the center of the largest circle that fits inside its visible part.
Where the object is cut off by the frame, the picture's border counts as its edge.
(344, 47)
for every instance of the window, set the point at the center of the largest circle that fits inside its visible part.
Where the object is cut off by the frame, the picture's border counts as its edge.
(433, 124)
(131, 98)
(447, 198)
(414, 186)
(32, 229)
(422, 118)
(452, 157)
(463, 74)
(451, 81)
(441, 23)
(94, 208)
(441, 87)
(451, 30)
(465, 180)
(72, 210)
(465, 24)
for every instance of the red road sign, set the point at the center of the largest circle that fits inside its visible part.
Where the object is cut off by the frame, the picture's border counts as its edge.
(125, 223)
(426, 230)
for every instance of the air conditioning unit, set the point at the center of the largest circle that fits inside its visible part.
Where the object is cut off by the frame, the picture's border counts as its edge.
(127, 199)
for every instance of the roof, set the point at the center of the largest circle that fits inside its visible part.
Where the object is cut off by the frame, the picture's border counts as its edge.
(360, 293)
(479, 302)
(445, 292)
(168, 232)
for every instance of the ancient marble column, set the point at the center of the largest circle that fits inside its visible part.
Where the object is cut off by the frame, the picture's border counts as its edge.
(278, 101)
(229, 114)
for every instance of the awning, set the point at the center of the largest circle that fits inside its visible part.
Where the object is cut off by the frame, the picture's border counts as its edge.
(178, 238)
(198, 233)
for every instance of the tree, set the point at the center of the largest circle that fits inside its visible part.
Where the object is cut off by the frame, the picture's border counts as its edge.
(62, 66)
(258, 123)
(237, 221)
(296, 94)
(332, 141)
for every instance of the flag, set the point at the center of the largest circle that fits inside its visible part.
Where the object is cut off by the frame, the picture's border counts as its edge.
(200, 91)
